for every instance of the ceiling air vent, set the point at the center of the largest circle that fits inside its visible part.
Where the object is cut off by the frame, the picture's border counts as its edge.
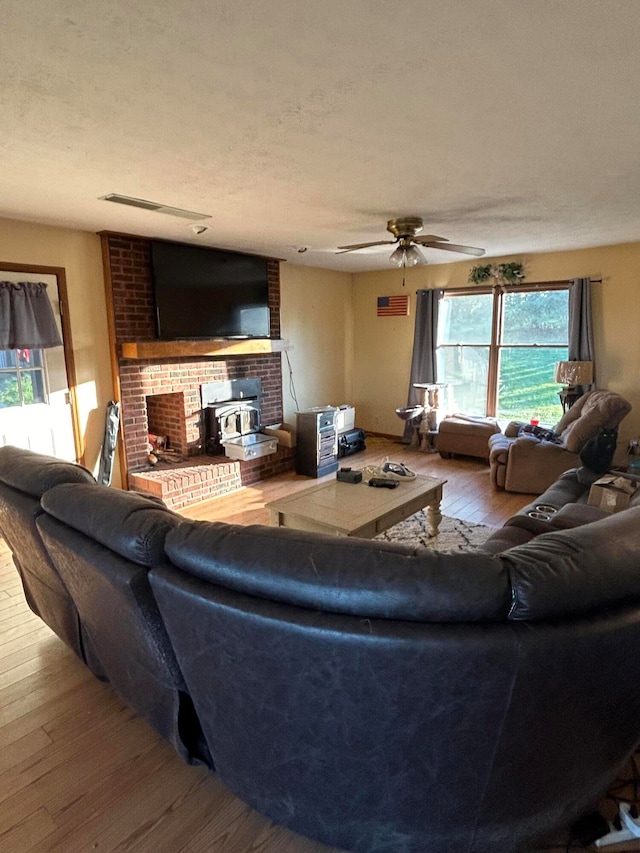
(145, 204)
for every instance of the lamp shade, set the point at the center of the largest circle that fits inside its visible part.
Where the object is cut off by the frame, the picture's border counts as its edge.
(574, 372)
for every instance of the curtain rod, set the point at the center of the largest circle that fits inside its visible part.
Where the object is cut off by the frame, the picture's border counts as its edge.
(477, 287)
(562, 281)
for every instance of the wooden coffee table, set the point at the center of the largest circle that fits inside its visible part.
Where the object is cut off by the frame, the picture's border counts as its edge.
(348, 509)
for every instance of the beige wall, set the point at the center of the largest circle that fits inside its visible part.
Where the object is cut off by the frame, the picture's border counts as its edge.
(382, 346)
(80, 254)
(342, 352)
(316, 316)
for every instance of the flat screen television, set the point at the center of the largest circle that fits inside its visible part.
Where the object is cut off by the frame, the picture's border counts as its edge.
(208, 293)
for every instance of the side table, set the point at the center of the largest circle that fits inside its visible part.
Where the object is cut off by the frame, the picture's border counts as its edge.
(568, 396)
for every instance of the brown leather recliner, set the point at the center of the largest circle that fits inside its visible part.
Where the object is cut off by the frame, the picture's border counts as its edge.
(529, 465)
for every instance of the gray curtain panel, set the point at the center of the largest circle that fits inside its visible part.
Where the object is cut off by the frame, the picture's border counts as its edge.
(26, 316)
(423, 361)
(581, 323)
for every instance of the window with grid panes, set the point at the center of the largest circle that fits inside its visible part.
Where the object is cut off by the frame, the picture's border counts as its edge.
(497, 350)
(22, 377)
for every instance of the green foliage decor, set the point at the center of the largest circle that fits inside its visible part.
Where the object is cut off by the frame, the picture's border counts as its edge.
(510, 273)
(480, 274)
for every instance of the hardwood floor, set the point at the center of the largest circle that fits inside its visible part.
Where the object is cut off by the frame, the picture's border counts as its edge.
(80, 772)
(467, 494)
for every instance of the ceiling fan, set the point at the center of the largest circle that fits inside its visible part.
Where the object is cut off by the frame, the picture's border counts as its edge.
(407, 253)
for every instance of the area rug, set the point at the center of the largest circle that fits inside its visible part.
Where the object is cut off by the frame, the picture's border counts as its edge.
(453, 533)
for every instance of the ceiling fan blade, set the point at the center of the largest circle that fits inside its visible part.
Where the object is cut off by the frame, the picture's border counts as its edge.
(364, 246)
(428, 238)
(453, 247)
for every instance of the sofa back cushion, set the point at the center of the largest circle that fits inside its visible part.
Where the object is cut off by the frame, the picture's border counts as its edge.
(592, 411)
(564, 573)
(573, 572)
(306, 711)
(34, 473)
(24, 477)
(102, 542)
(131, 524)
(355, 576)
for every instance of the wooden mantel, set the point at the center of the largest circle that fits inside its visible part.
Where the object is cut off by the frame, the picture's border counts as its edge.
(213, 347)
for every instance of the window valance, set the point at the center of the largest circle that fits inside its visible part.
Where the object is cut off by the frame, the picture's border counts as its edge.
(26, 316)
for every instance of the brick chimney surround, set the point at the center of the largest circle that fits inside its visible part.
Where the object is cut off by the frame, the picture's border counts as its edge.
(162, 394)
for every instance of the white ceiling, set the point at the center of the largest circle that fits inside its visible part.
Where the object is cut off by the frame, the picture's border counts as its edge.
(505, 124)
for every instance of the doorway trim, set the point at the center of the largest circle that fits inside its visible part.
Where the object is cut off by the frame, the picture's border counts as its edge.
(67, 342)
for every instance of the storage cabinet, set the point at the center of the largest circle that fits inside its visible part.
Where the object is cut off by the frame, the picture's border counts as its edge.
(317, 442)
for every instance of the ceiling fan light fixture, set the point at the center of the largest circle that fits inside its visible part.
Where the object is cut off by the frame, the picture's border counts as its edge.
(414, 257)
(407, 256)
(407, 245)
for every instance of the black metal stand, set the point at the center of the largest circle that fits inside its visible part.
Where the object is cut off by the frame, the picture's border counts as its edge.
(568, 396)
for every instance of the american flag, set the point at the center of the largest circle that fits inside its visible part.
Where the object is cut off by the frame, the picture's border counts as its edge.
(393, 306)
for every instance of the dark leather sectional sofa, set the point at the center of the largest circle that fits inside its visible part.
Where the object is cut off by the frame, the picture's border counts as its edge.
(374, 697)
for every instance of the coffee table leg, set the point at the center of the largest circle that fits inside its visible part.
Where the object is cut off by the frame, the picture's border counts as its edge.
(434, 517)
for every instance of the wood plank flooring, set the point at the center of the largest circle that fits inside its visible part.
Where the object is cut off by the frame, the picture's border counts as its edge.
(80, 772)
(467, 494)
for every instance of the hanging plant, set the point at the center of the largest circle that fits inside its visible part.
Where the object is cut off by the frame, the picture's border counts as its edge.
(480, 274)
(510, 273)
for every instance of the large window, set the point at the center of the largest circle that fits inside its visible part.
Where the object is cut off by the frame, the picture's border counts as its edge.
(497, 350)
(22, 379)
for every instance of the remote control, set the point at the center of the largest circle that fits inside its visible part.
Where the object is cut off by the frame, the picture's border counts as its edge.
(379, 483)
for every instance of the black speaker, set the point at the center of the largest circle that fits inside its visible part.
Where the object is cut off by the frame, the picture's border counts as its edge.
(350, 441)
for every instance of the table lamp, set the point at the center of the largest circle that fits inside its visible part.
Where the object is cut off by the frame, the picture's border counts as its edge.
(573, 373)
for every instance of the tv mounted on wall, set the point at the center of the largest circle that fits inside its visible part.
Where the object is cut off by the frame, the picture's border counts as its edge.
(208, 293)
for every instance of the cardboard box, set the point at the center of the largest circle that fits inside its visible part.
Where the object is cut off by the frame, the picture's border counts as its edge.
(612, 493)
(285, 433)
(345, 418)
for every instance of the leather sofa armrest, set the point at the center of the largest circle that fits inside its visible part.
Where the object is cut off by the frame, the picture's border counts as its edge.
(534, 526)
(505, 538)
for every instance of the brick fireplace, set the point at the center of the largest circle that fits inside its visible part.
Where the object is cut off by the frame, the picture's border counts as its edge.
(162, 395)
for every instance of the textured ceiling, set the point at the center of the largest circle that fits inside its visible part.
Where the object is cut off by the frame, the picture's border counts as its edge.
(504, 124)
